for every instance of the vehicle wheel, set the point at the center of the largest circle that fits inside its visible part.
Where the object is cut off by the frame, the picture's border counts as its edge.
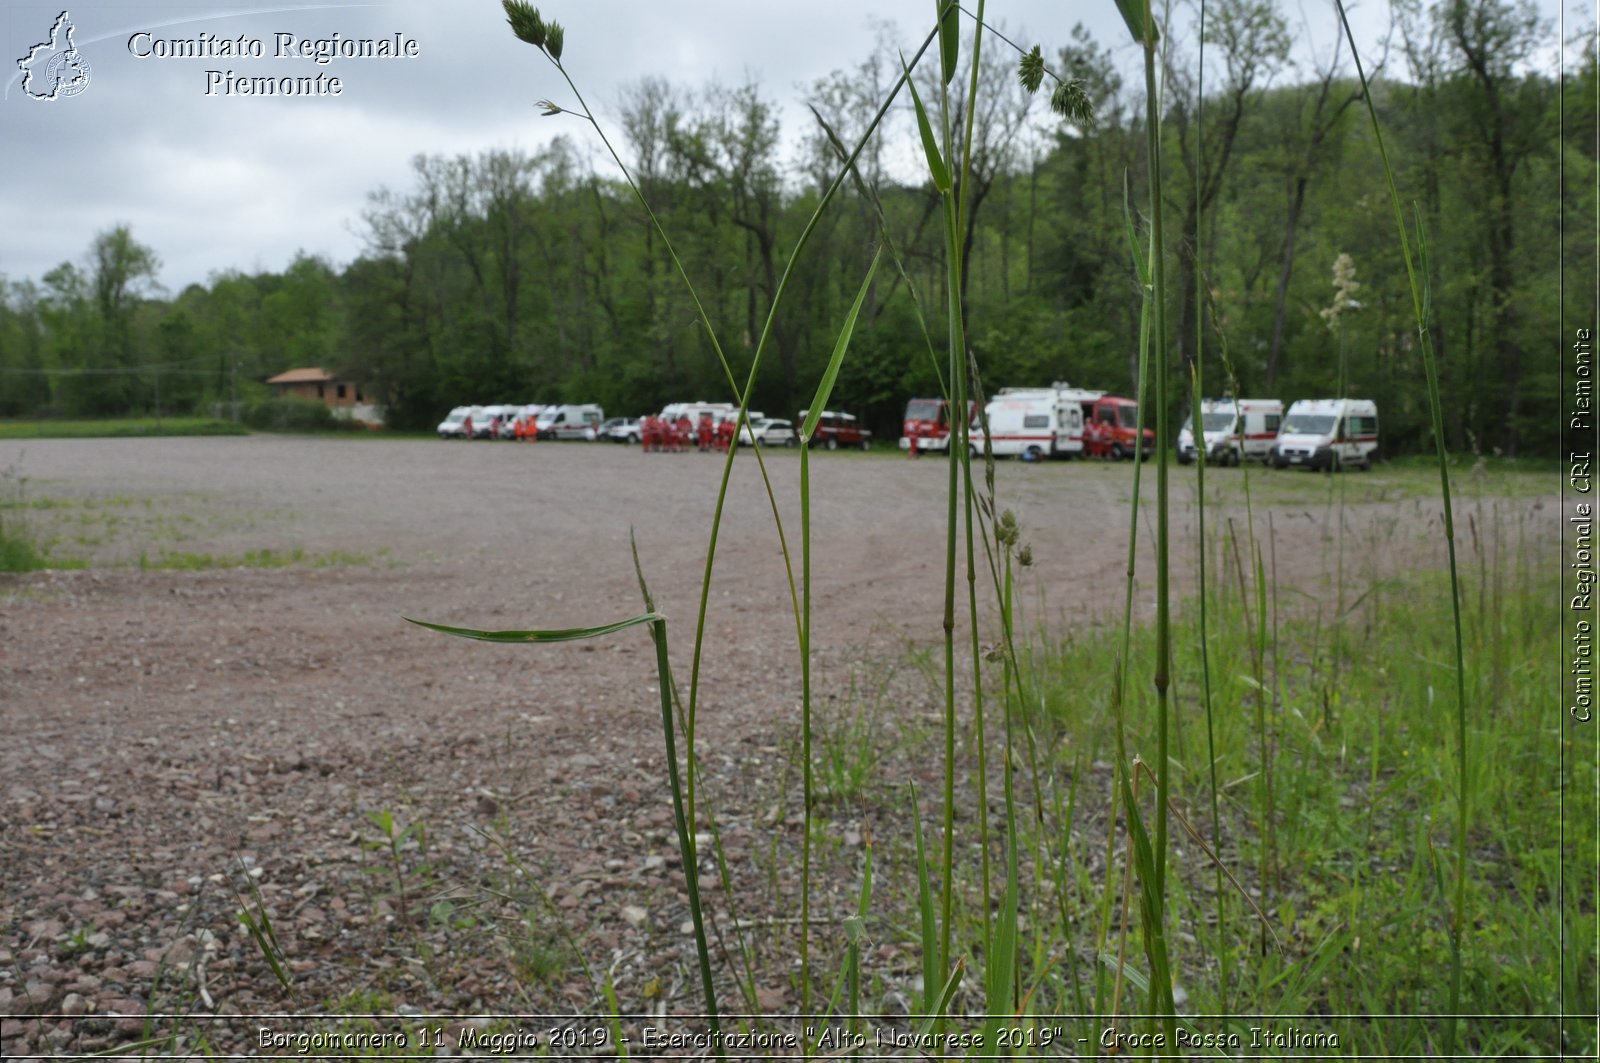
(791, 442)
(1366, 461)
(866, 444)
(1183, 458)
(1117, 453)
(1035, 454)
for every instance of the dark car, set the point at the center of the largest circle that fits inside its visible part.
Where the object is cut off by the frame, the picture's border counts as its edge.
(835, 430)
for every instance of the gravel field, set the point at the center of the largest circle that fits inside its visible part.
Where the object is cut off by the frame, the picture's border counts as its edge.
(205, 726)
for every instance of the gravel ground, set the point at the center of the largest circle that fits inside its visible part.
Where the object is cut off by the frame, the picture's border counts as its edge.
(181, 740)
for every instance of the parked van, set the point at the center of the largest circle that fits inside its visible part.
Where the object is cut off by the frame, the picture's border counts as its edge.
(1033, 423)
(454, 426)
(493, 422)
(1234, 429)
(570, 422)
(525, 425)
(1328, 434)
(719, 411)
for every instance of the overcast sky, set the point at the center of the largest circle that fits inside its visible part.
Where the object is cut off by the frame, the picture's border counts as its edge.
(216, 182)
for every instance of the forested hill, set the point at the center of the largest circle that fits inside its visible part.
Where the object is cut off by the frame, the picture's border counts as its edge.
(507, 277)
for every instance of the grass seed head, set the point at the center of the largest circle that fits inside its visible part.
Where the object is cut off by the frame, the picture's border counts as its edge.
(1006, 530)
(525, 22)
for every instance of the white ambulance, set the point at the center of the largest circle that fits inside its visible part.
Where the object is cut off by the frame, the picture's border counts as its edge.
(1328, 434)
(1034, 423)
(581, 421)
(1234, 429)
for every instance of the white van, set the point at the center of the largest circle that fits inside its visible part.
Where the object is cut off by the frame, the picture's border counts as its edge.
(570, 422)
(1034, 423)
(1234, 429)
(719, 411)
(493, 422)
(1328, 434)
(454, 426)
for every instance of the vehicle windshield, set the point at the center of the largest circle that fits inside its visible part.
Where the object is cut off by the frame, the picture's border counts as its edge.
(1303, 424)
(925, 410)
(1219, 422)
(1128, 416)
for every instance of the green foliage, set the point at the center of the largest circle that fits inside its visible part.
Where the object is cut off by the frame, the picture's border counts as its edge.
(178, 560)
(404, 861)
(20, 550)
(119, 428)
(293, 415)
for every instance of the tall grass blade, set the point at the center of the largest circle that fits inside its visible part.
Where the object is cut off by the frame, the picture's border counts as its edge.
(949, 38)
(1153, 877)
(1138, 21)
(686, 844)
(1421, 297)
(572, 634)
(253, 917)
(932, 961)
(1001, 961)
(819, 401)
(938, 169)
(1202, 454)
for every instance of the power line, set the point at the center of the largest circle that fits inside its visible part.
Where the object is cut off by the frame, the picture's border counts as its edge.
(168, 368)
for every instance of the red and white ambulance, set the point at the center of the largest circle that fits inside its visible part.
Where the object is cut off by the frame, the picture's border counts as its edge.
(1328, 434)
(1035, 423)
(1233, 430)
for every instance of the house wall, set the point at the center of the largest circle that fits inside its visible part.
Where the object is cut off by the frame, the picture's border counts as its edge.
(328, 393)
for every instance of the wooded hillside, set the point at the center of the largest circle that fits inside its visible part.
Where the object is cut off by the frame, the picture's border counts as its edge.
(510, 277)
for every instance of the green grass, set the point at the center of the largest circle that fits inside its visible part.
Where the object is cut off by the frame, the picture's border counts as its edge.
(22, 549)
(1390, 482)
(1365, 811)
(121, 427)
(18, 552)
(294, 557)
(52, 531)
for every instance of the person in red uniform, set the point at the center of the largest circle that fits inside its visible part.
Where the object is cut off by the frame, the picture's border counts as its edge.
(724, 434)
(913, 432)
(703, 432)
(685, 430)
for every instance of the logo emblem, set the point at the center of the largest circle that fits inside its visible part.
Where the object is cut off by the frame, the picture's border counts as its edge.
(55, 68)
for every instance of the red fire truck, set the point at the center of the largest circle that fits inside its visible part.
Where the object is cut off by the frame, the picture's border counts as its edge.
(928, 420)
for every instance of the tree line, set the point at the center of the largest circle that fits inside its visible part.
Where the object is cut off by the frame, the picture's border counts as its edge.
(537, 277)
